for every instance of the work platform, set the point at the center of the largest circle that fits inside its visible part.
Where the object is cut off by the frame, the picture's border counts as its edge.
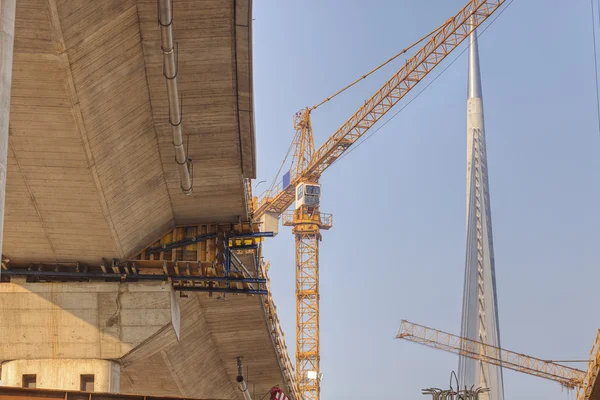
(107, 264)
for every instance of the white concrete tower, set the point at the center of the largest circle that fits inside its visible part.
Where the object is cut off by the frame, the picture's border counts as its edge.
(480, 306)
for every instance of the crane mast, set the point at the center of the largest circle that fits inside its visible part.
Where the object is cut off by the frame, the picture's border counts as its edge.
(302, 184)
(306, 222)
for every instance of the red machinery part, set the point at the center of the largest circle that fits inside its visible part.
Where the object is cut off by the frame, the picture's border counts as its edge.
(277, 394)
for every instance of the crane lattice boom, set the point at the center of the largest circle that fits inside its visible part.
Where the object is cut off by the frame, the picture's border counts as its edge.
(566, 376)
(443, 41)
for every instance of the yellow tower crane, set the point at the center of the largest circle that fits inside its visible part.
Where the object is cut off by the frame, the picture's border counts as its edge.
(568, 377)
(301, 183)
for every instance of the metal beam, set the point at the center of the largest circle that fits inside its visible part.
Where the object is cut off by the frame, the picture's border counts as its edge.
(250, 235)
(219, 290)
(182, 243)
(130, 277)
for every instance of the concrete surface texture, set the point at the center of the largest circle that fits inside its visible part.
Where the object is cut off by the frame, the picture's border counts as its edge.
(92, 176)
(132, 324)
(203, 363)
(63, 374)
(91, 169)
(7, 30)
(79, 320)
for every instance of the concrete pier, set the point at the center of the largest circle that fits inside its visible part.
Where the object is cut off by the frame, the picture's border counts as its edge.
(90, 375)
(68, 335)
(132, 337)
(7, 38)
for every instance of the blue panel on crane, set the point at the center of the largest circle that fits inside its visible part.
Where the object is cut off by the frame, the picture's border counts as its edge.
(286, 180)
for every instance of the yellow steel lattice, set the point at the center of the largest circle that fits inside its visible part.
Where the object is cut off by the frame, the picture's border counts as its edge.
(443, 41)
(307, 314)
(566, 376)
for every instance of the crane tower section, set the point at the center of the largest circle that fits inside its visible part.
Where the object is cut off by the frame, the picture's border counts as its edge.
(480, 307)
(307, 222)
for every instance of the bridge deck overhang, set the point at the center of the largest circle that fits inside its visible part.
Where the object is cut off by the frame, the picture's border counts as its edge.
(91, 167)
(92, 174)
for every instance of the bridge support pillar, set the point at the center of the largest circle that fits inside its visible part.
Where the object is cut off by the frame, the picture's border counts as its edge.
(73, 335)
(90, 375)
(7, 35)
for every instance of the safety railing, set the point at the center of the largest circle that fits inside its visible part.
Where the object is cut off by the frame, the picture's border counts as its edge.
(269, 194)
(278, 338)
(326, 220)
(288, 218)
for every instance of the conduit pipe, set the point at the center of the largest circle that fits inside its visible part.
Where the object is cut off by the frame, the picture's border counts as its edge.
(241, 381)
(165, 20)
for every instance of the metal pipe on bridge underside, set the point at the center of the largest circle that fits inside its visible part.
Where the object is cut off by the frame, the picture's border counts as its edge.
(241, 381)
(170, 70)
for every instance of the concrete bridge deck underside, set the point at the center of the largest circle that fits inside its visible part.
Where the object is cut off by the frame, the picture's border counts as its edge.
(133, 323)
(92, 175)
(91, 168)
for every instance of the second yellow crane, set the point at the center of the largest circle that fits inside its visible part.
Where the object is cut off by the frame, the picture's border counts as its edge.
(568, 377)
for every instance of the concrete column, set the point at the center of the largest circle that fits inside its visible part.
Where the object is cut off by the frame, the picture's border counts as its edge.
(7, 36)
(66, 374)
(61, 331)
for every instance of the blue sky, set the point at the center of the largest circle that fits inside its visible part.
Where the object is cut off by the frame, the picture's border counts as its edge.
(397, 247)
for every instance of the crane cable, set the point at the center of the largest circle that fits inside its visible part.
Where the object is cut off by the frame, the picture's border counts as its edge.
(274, 182)
(354, 147)
(377, 68)
(403, 51)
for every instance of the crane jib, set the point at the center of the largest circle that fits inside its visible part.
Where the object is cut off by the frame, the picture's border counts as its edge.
(447, 38)
(566, 376)
(444, 40)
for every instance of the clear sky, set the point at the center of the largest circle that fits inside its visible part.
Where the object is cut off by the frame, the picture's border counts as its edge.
(397, 247)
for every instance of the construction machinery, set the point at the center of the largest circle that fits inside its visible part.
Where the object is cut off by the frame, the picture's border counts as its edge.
(471, 393)
(277, 394)
(301, 183)
(568, 377)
